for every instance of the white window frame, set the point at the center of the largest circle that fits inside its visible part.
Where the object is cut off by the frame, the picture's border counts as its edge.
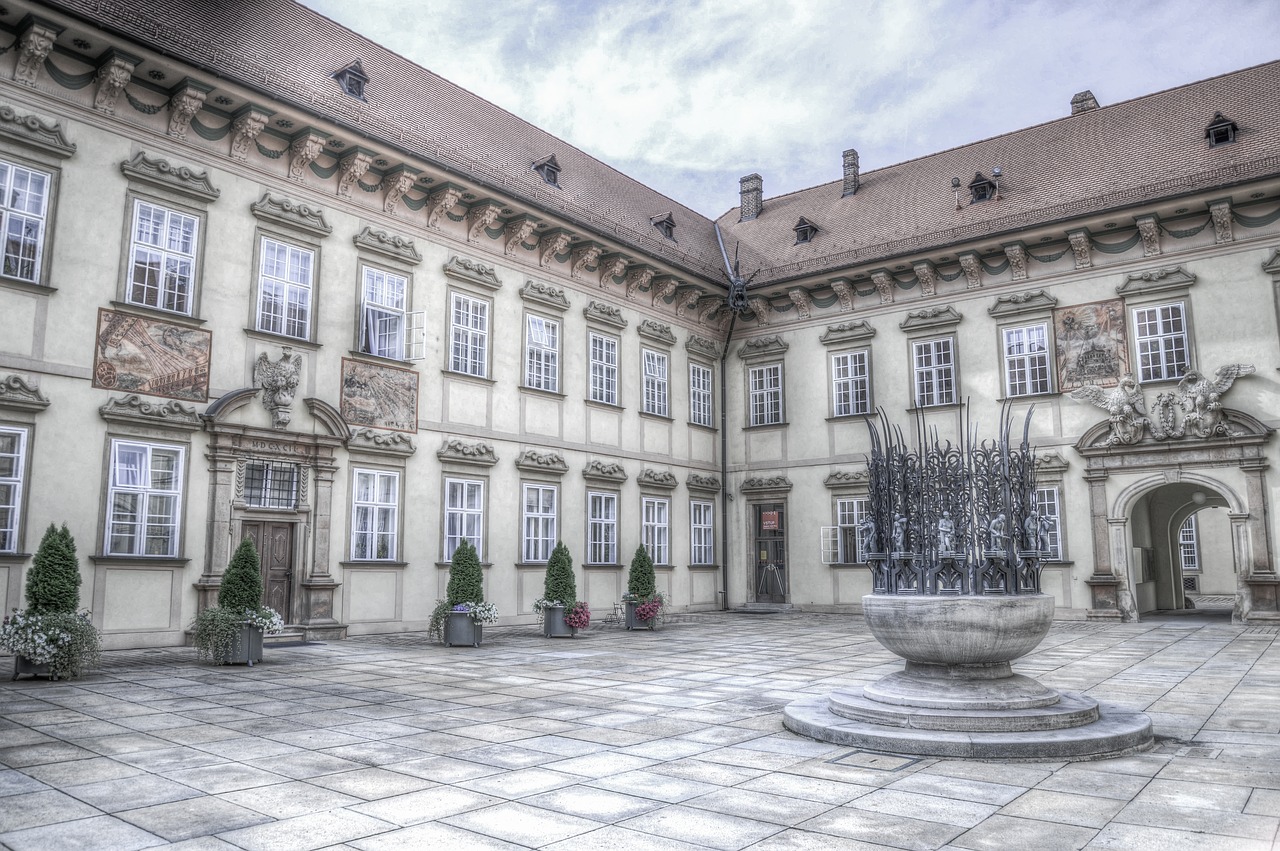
(469, 334)
(542, 353)
(286, 288)
(702, 532)
(764, 385)
(156, 508)
(850, 511)
(24, 216)
(463, 515)
(655, 382)
(933, 365)
(701, 398)
(165, 253)
(13, 470)
(1161, 341)
(1027, 370)
(851, 383)
(602, 527)
(383, 296)
(271, 470)
(540, 510)
(375, 515)
(655, 528)
(1049, 504)
(1189, 545)
(602, 354)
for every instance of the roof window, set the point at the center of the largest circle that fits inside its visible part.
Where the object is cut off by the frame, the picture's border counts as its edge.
(1220, 130)
(353, 79)
(666, 224)
(982, 188)
(805, 230)
(548, 169)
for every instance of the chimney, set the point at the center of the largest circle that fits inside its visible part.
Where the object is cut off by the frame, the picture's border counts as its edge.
(751, 188)
(850, 172)
(1083, 102)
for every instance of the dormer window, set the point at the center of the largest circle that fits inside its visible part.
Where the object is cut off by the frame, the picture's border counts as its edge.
(666, 224)
(805, 230)
(352, 79)
(1220, 131)
(981, 188)
(549, 170)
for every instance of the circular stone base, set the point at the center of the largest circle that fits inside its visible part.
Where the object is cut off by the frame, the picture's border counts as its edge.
(907, 688)
(1066, 711)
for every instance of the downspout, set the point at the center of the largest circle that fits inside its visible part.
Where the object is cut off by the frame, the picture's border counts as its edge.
(724, 468)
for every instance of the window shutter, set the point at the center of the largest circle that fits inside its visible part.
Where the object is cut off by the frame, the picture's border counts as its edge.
(415, 338)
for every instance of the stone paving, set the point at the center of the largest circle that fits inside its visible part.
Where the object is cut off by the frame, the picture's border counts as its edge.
(659, 740)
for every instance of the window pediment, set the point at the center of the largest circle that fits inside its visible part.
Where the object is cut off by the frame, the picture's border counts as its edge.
(372, 440)
(1020, 303)
(603, 472)
(770, 484)
(533, 461)
(848, 479)
(545, 295)
(35, 132)
(664, 479)
(604, 313)
(931, 319)
(472, 271)
(853, 331)
(282, 211)
(759, 348)
(657, 332)
(478, 454)
(181, 179)
(133, 409)
(698, 482)
(15, 392)
(702, 346)
(1173, 279)
(389, 245)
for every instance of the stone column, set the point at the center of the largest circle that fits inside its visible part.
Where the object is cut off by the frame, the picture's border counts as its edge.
(319, 587)
(1259, 585)
(222, 473)
(1104, 586)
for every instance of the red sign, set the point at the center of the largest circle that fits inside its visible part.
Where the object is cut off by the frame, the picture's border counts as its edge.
(770, 521)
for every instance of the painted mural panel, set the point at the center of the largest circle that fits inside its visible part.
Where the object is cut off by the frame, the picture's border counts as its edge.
(1092, 344)
(139, 354)
(379, 396)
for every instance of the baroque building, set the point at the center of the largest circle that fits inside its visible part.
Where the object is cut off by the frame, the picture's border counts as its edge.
(262, 277)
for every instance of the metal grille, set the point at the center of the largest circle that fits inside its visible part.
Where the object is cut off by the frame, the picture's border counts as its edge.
(271, 484)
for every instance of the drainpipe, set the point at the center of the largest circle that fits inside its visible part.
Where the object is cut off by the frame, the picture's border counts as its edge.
(724, 469)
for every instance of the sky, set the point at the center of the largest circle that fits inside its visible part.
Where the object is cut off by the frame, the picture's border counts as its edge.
(688, 96)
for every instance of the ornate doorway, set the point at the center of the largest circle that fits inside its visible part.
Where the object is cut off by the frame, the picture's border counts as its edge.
(274, 540)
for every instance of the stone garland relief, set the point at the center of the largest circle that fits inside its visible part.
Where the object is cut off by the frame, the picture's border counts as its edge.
(142, 355)
(1092, 344)
(379, 396)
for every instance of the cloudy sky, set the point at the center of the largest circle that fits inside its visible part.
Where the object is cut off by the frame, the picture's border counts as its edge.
(689, 95)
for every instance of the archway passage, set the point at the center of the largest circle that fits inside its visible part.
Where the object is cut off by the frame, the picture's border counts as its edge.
(1182, 558)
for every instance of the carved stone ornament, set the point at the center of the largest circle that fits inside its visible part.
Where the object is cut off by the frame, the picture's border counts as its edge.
(687, 302)
(279, 383)
(1272, 265)
(638, 278)
(702, 346)
(1081, 247)
(516, 232)
(1051, 463)
(133, 409)
(762, 347)
(29, 130)
(848, 478)
(1016, 253)
(352, 167)
(844, 292)
(479, 453)
(663, 288)
(440, 203)
(545, 295)
(652, 478)
(930, 317)
(761, 307)
(928, 277)
(389, 245)
(698, 482)
(1019, 303)
(1149, 230)
(884, 285)
(1194, 409)
(711, 312)
(282, 211)
(612, 267)
(15, 392)
(1221, 213)
(1170, 278)
(479, 218)
(245, 128)
(533, 461)
(605, 313)
(552, 245)
(158, 172)
(397, 183)
(972, 268)
(372, 440)
(585, 256)
(802, 300)
(853, 331)
(113, 75)
(766, 483)
(34, 46)
(603, 471)
(656, 331)
(303, 150)
(184, 103)
(473, 271)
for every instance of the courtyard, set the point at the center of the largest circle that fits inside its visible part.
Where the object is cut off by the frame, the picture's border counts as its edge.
(669, 739)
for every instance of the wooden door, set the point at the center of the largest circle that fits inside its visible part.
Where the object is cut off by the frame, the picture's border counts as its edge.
(274, 541)
(771, 552)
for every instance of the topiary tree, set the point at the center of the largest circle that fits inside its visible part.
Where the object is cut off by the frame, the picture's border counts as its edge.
(559, 584)
(242, 581)
(53, 583)
(466, 580)
(640, 579)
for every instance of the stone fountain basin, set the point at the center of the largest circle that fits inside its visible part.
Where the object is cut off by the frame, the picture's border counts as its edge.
(957, 631)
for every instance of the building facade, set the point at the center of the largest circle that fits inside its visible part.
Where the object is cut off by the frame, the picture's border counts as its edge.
(264, 278)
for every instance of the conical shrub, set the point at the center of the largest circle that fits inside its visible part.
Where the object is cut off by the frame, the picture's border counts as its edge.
(242, 581)
(466, 580)
(640, 579)
(53, 583)
(559, 583)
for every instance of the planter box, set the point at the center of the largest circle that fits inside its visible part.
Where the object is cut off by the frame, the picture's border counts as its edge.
(23, 665)
(633, 623)
(460, 630)
(248, 647)
(553, 625)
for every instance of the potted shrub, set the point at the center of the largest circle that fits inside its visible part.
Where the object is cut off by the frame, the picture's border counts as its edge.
(563, 614)
(643, 602)
(231, 632)
(459, 618)
(50, 637)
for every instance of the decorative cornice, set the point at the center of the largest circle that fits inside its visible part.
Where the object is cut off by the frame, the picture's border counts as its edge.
(638, 277)
(441, 202)
(1032, 301)
(698, 482)
(928, 277)
(35, 132)
(1016, 253)
(282, 211)
(971, 265)
(1272, 265)
(930, 317)
(608, 314)
(480, 217)
(1081, 247)
(533, 461)
(702, 346)
(246, 125)
(1156, 281)
(802, 300)
(114, 73)
(545, 295)
(855, 330)
(762, 347)
(652, 478)
(585, 256)
(185, 100)
(389, 245)
(552, 244)
(304, 147)
(478, 454)
(612, 266)
(602, 471)
(371, 440)
(656, 331)
(158, 172)
(472, 271)
(15, 392)
(759, 484)
(1220, 212)
(1051, 463)
(762, 308)
(848, 478)
(397, 181)
(353, 166)
(34, 46)
(1149, 230)
(664, 286)
(516, 231)
(884, 284)
(132, 409)
(844, 292)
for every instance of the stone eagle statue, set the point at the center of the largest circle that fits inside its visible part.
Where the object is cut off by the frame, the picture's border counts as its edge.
(279, 383)
(1123, 403)
(1202, 398)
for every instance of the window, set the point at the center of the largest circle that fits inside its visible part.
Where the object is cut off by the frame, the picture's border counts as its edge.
(765, 383)
(656, 528)
(1189, 545)
(602, 528)
(374, 507)
(700, 408)
(604, 369)
(702, 527)
(382, 303)
(850, 511)
(13, 454)
(980, 188)
(352, 79)
(1047, 508)
(284, 289)
(805, 231)
(542, 354)
(539, 522)
(1220, 131)
(144, 499)
(463, 515)
(1026, 360)
(1161, 333)
(271, 484)
(666, 224)
(935, 376)
(850, 384)
(24, 205)
(163, 258)
(470, 335)
(549, 170)
(655, 383)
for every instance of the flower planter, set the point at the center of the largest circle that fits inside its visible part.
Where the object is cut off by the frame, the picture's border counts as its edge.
(553, 625)
(23, 665)
(461, 629)
(248, 648)
(632, 622)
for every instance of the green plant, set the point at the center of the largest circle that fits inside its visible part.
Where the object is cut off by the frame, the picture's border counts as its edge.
(440, 614)
(216, 631)
(466, 580)
(242, 581)
(53, 583)
(559, 584)
(641, 584)
(578, 616)
(65, 641)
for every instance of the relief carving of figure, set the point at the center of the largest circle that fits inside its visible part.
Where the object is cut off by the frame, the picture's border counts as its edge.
(1125, 405)
(279, 383)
